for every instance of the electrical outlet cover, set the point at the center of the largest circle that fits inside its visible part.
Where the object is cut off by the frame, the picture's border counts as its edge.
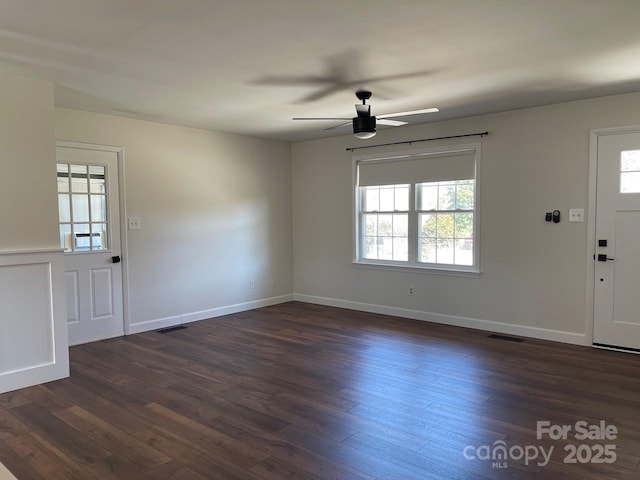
(576, 215)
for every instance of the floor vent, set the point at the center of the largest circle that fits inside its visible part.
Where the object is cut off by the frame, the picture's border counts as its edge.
(171, 329)
(506, 338)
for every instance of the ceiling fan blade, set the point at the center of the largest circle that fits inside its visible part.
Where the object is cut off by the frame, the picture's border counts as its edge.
(317, 95)
(363, 110)
(292, 80)
(320, 118)
(338, 126)
(409, 112)
(391, 123)
(398, 76)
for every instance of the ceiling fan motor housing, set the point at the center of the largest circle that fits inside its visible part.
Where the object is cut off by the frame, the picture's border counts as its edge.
(364, 124)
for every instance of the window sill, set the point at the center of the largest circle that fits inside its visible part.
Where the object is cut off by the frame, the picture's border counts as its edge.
(417, 269)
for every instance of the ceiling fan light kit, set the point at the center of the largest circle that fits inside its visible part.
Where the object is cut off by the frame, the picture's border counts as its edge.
(364, 124)
(364, 128)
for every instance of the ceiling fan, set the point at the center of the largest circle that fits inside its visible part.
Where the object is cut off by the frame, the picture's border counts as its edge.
(364, 124)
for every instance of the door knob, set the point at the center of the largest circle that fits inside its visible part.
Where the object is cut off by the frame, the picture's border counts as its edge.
(603, 257)
(115, 259)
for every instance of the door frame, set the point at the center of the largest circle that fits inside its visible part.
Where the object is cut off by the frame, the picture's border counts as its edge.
(594, 135)
(124, 251)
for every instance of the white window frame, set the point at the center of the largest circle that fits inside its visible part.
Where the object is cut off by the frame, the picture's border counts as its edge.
(412, 264)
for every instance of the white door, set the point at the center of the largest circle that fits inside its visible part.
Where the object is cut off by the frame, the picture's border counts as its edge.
(617, 258)
(89, 208)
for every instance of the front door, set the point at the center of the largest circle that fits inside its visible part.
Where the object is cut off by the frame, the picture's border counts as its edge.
(617, 249)
(88, 199)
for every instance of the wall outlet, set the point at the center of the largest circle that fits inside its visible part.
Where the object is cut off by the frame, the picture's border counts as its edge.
(252, 284)
(134, 223)
(411, 291)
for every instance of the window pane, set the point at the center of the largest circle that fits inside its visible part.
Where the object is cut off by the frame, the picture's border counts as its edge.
(401, 225)
(371, 247)
(446, 196)
(371, 224)
(401, 249)
(65, 237)
(64, 207)
(385, 225)
(62, 170)
(98, 208)
(79, 179)
(99, 236)
(385, 248)
(630, 182)
(445, 225)
(464, 225)
(445, 250)
(80, 208)
(81, 240)
(371, 199)
(428, 225)
(386, 199)
(630, 161)
(464, 195)
(464, 252)
(428, 197)
(428, 250)
(402, 197)
(97, 179)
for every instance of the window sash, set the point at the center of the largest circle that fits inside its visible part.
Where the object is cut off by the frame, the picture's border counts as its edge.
(363, 236)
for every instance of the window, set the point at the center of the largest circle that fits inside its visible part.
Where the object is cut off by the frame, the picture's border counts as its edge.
(630, 171)
(418, 209)
(82, 206)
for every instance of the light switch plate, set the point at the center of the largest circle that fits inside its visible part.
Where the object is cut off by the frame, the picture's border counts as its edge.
(134, 223)
(576, 214)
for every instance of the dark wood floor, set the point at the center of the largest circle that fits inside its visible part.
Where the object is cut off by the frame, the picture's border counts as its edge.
(304, 392)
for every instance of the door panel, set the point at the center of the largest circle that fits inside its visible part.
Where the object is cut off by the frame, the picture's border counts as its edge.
(73, 296)
(102, 298)
(617, 262)
(90, 234)
(626, 297)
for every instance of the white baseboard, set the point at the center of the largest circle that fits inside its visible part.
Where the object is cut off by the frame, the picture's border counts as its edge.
(477, 323)
(204, 314)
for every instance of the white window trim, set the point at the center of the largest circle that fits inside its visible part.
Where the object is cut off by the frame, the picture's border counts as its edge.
(441, 269)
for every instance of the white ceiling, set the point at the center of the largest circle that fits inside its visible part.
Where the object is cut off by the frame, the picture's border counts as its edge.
(232, 65)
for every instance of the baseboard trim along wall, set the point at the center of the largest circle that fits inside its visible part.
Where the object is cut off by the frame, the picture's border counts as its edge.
(478, 324)
(205, 314)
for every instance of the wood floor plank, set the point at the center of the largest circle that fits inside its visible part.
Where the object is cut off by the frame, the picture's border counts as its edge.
(112, 439)
(290, 453)
(75, 445)
(50, 463)
(17, 465)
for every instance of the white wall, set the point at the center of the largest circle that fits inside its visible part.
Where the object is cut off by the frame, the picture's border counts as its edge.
(28, 206)
(33, 330)
(215, 212)
(533, 279)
